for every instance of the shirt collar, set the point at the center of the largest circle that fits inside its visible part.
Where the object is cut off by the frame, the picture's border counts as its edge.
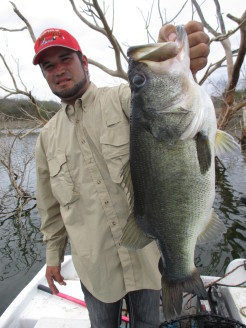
(84, 102)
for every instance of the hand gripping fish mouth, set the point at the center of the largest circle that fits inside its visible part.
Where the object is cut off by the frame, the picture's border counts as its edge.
(173, 143)
(158, 55)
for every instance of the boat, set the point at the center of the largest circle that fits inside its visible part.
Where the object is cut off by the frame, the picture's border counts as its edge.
(35, 306)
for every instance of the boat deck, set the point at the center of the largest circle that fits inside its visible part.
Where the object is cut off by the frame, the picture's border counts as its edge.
(34, 308)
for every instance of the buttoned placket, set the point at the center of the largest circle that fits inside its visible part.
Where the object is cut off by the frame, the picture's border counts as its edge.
(85, 144)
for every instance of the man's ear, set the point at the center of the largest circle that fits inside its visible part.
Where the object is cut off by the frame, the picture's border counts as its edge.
(85, 62)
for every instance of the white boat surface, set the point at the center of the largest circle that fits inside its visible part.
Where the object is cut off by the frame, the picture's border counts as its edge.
(35, 308)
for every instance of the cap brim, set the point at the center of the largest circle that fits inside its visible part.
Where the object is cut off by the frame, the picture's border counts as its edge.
(36, 58)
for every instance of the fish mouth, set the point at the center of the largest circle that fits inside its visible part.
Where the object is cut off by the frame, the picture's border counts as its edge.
(155, 52)
(161, 56)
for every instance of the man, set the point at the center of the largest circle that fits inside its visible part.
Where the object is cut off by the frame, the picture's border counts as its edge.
(79, 156)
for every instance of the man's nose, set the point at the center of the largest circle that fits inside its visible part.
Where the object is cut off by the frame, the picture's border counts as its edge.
(60, 69)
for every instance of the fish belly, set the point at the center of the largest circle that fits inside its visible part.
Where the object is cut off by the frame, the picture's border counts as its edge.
(172, 199)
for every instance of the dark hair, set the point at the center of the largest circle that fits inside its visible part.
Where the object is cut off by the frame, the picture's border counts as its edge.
(80, 55)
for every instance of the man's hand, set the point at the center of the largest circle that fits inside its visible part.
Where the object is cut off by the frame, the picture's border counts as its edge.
(198, 42)
(53, 273)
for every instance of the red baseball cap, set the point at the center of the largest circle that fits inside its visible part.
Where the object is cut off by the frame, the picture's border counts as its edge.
(54, 37)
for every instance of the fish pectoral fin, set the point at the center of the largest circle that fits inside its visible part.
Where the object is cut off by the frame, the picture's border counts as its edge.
(214, 228)
(126, 184)
(203, 152)
(133, 237)
(225, 144)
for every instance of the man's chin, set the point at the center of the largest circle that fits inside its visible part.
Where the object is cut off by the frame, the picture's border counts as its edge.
(68, 94)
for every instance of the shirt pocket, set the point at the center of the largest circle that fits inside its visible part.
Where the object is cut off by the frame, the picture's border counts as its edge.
(115, 149)
(61, 182)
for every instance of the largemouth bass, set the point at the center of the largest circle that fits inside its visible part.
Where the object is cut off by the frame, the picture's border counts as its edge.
(173, 137)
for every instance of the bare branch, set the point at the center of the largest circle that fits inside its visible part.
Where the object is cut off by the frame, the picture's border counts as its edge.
(241, 53)
(225, 36)
(88, 23)
(106, 31)
(181, 9)
(13, 30)
(30, 30)
(226, 111)
(160, 14)
(224, 41)
(214, 66)
(200, 14)
(120, 74)
(220, 18)
(9, 71)
(19, 91)
(147, 22)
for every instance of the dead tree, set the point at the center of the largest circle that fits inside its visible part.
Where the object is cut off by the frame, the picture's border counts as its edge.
(229, 106)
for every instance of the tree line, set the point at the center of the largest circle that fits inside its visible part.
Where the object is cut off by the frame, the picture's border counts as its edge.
(12, 109)
(21, 108)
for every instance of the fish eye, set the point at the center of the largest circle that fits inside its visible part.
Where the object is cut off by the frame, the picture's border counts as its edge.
(139, 80)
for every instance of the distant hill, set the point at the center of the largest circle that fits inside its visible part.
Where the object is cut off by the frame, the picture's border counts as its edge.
(20, 108)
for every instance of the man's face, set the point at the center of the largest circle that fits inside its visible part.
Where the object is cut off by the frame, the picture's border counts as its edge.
(65, 74)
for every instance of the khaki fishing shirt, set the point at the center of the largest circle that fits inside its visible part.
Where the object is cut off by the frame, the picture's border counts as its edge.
(79, 156)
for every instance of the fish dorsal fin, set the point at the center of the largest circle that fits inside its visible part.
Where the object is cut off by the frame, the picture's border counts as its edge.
(203, 152)
(213, 229)
(133, 237)
(225, 144)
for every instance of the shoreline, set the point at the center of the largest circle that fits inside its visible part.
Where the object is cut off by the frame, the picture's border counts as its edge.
(17, 124)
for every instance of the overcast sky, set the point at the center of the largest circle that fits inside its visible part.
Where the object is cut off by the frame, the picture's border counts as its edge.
(128, 28)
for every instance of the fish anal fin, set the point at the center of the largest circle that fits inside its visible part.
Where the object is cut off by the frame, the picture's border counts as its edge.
(225, 144)
(213, 229)
(203, 152)
(133, 237)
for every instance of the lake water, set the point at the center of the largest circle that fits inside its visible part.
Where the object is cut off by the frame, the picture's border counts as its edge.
(22, 252)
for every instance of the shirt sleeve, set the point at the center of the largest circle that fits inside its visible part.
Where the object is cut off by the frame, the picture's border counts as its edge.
(125, 98)
(52, 227)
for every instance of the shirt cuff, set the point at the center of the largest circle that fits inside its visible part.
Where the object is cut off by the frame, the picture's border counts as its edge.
(53, 258)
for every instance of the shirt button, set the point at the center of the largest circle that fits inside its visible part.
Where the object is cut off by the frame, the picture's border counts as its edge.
(113, 223)
(98, 181)
(106, 202)
(83, 141)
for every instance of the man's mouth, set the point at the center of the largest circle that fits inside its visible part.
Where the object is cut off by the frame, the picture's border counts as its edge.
(62, 82)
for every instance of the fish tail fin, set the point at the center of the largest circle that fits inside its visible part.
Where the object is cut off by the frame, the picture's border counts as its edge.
(172, 292)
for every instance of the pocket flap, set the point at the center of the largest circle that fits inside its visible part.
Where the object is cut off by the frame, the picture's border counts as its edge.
(56, 163)
(116, 136)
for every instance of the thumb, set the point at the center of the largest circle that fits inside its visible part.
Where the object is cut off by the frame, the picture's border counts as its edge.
(167, 33)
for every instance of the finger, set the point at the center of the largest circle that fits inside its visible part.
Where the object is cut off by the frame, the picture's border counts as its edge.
(60, 279)
(193, 26)
(197, 38)
(167, 33)
(197, 64)
(200, 50)
(51, 284)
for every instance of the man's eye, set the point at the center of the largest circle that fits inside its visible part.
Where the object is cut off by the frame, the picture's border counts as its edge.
(48, 67)
(65, 59)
